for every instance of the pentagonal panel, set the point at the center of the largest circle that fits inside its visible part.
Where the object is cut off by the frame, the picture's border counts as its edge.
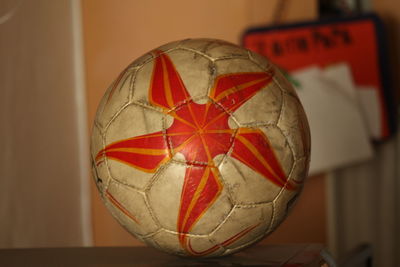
(129, 207)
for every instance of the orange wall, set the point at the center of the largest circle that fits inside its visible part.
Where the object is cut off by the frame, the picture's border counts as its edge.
(117, 32)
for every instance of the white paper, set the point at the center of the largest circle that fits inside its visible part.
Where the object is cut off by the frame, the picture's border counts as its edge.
(369, 102)
(338, 133)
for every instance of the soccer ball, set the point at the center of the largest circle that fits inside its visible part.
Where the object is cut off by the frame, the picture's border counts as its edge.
(200, 147)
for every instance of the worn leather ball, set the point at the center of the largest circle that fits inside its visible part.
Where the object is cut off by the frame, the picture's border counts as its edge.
(200, 147)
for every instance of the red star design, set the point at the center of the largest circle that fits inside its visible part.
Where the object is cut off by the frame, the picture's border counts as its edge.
(200, 132)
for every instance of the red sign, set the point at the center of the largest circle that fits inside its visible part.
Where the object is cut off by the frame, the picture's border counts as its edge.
(356, 41)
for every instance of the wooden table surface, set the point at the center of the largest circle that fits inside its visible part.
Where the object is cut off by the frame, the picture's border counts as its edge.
(268, 255)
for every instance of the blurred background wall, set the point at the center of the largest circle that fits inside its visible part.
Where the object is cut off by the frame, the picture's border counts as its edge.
(44, 195)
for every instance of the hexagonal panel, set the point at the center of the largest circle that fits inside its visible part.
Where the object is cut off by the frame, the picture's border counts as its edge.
(244, 225)
(282, 205)
(245, 245)
(132, 122)
(166, 241)
(300, 169)
(165, 200)
(203, 246)
(194, 70)
(100, 175)
(260, 60)
(116, 96)
(96, 141)
(214, 48)
(170, 46)
(225, 50)
(141, 84)
(283, 83)
(263, 108)
(294, 126)
(246, 185)
(214, 215)
(280, 147)
(141, 60)
(236, 65)
(164, 195)
(199, 44)
(129, 207)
